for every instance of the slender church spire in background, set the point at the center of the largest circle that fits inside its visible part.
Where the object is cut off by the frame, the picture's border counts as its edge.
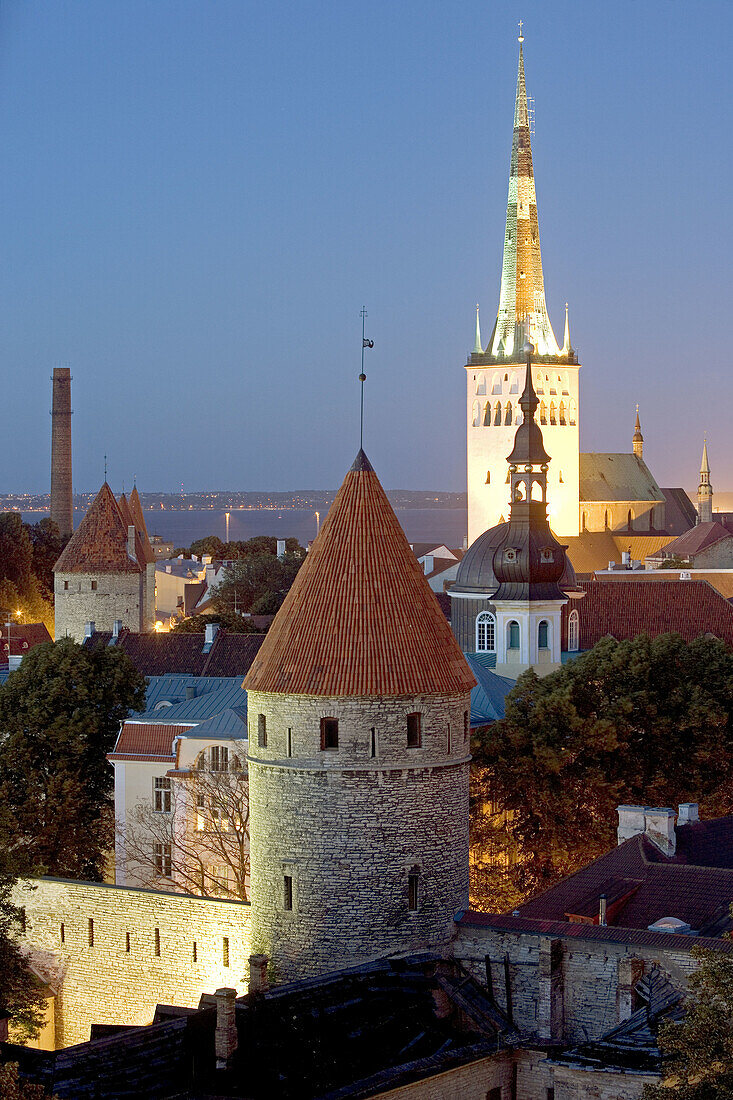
(522, 285)
(638, 440)
(704, 489)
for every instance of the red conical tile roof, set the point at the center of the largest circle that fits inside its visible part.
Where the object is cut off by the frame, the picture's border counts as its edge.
(360, 618)
(139, 520)
(99, 544)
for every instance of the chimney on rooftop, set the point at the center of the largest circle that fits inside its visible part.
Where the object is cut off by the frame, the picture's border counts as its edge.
(626, 558)
(131, 541)
(281, 548)
(688, 813)
(225, 1039)
(258, 980)
(212, 629)
(89, 629)
(116, 628)
(657, 822)
(602, 909)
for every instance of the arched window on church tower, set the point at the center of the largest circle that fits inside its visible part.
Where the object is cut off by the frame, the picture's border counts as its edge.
(565, 383)
(481, 383)
(512, 635)
(540, 385)
(543, 635)
(476, 414)
(561, 413)
(543, 413)
(573, 632)
(573, 415)
(487, 414)
(497, 413)
(508, 414)
(496, 384)
(553, 412)
(514, 383)
(485, 632)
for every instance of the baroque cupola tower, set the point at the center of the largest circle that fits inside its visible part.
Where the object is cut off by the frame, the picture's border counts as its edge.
(638, 440)
(495, 374)
(528, 561)
(358, 715)
(704, 489)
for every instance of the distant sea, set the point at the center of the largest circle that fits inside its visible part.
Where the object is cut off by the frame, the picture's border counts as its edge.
(446, 525)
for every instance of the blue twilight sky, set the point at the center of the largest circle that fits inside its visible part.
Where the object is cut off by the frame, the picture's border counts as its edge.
(198, 197)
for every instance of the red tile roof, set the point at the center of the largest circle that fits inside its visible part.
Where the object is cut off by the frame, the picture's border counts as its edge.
(624, 609)
(166, 654)
(136, 508)
(144, 741)
(23, 637)
(360, 618)
(99, 544)
(696, 539)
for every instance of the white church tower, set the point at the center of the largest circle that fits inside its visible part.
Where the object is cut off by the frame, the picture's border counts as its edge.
(496, 372)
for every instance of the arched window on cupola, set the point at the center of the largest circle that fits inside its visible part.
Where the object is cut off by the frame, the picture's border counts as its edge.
(543, 635)
(476, 417)
(508, 414)
(512, 634)
(573, 632)
(487, 414)
(497, 414)
(481, 383)
(514, 384)
(543, 413)
(537, 491)
(573, 415)
(553, 412)
(561, 413)
(496, 384)
(485, 632)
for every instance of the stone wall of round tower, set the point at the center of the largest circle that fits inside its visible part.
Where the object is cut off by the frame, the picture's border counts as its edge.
(358, 826)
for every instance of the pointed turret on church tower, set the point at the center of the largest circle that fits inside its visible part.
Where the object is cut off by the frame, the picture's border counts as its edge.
(638, 440)
(358, 713)
(496, 375)
(704, 489)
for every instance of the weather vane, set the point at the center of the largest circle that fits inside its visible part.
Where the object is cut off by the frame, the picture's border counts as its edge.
(362, 377)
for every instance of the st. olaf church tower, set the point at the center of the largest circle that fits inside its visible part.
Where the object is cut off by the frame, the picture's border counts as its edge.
(496, 373)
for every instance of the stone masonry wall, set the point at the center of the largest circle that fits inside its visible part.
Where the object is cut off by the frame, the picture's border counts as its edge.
(570, 989)
(471, 1082)
(347, 828)
(117, 596)
(119, 980)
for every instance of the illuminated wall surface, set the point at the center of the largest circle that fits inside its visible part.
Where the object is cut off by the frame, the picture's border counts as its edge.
(141, 949)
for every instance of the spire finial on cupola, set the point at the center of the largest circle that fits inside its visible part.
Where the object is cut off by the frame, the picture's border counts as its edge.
(477, 348)
(638, 440)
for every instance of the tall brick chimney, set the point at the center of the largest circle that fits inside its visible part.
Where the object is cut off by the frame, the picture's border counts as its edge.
(61, 495)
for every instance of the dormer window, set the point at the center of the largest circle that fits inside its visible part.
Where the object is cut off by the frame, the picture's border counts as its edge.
(546, 554)
(510, 554)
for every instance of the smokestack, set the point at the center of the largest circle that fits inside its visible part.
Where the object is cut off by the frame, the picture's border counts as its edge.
(61, 495)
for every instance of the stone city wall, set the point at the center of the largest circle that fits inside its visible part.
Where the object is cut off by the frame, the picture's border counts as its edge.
(112, 953)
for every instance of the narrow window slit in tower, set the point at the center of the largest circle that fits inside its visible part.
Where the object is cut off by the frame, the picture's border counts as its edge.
(91, 932)
(448, 745)
(157, 942)
(225, 951)
(195, 952)
(127, 943)
(413, 889)
(62, 934)
(287, 892)
(373, 743)
(289, 742)
(414, 731)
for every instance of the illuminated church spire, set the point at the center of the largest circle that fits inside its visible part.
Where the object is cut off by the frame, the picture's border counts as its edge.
(704, 489)
(477, 348)
(522, 286)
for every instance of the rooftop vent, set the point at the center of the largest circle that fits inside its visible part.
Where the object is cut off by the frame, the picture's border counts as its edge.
(671, 924)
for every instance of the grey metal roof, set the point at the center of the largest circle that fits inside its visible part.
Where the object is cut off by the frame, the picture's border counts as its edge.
(476, 571)
(228, 724)
(487, 698)
(611, 477)
(214, 694)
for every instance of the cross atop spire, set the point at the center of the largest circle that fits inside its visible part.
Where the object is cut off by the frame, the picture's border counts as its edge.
(522, 284)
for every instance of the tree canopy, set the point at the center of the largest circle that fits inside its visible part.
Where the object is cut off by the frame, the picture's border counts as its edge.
(60, 714)
(28, 553)
(649, 720)
(235, 624)
(697, 1052)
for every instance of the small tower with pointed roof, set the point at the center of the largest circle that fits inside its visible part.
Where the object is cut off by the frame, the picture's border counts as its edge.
(358, 714)
(101, 575)
(704, 489)
(638, 440)
(495, 376)
(528, 561)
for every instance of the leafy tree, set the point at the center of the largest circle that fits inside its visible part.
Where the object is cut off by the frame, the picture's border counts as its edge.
(16, 550)
(235, 624)
(47, 543)
(252, 578)
(648, 720)
(21, 993)
(59, 717)
(13, 1087)
(268, 604)
(697, 1052)
(211, 544)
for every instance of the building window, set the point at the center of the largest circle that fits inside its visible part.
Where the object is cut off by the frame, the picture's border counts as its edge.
(413, 889)
(487, 415)
(66, 586)
(289, 742)
(513, 635)
(543, 635)
(288, 892)
(200, 813)
(62, 934)
(219, 758)
(543, 413)
(156, 943)
(195, 954)
(497, 414)
(481, 384)
(573, 632)
(414, 731)
(163, 859)
(329, 734)
(225, 951)
(508, 416)
(373, 742)
(94, 586)
(488, 477)
(90, 931)
(262, 731)
(476, 417)
(485, 632)
(162, 794)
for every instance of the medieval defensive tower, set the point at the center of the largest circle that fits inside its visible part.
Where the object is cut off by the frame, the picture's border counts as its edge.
(496, 372)
(62, 507)
(358, 714)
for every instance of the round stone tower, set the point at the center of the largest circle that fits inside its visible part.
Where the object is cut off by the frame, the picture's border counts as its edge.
(358, 714)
